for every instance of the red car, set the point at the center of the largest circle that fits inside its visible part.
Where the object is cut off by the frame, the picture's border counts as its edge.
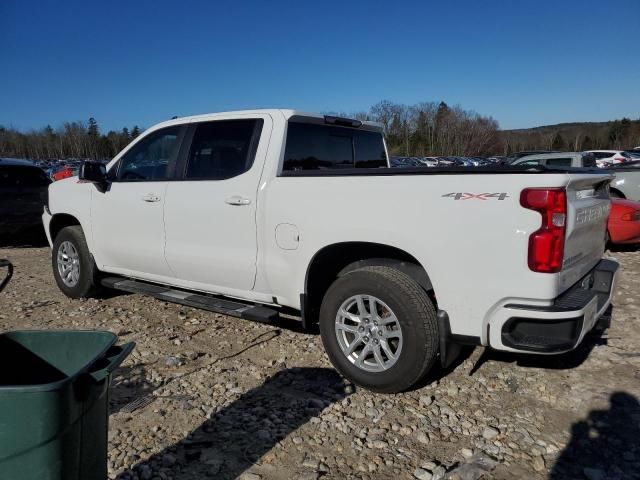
(65, 172)
(624, 221)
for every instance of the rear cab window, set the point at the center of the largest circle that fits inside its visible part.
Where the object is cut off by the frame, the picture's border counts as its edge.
(317, 146)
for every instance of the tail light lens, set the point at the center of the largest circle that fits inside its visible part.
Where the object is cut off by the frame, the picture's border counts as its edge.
(546, 245)
(631, 216)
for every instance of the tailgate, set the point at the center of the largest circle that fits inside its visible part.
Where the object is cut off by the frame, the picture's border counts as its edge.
(588, 206)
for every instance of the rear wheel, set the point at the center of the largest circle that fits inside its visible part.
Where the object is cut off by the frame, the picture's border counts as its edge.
(73, 266)
(379, 328)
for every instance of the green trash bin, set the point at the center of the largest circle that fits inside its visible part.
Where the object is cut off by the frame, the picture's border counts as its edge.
(54, 403)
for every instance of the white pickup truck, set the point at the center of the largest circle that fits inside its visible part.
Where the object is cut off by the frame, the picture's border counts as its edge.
(258, 213)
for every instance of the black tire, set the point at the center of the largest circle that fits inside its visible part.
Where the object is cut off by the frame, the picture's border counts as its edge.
(88, 280)
(615, 194)
(416, 315)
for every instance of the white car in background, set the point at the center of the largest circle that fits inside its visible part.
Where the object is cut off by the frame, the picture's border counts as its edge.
(610, 157)
(429, 161)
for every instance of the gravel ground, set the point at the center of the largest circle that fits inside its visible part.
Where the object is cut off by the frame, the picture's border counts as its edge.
(228, 398)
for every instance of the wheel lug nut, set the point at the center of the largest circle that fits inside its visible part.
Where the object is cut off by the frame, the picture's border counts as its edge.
(361, 329)
(380, 332)
(376, 341)
(366, 339)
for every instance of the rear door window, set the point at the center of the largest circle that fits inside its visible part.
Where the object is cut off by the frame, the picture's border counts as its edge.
(222, 149)
(320, 147)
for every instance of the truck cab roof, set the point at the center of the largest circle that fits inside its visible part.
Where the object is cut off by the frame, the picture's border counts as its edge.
(288, 114)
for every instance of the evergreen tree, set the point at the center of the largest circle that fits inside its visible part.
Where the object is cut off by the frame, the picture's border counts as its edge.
(558, 142)
(92, 130)
(443, 110)
(135, 132)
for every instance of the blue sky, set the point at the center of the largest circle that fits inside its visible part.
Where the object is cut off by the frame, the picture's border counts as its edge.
(140, 62)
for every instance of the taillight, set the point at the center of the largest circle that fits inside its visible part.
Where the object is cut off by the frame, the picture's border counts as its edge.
(546, 245)
(631, 216)
(621, 159)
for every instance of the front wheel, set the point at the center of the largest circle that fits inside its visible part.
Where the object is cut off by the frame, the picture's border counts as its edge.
(73, 266)
(379, 329)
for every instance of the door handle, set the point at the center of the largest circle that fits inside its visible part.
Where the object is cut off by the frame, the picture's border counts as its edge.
(151, 197)
(238, 200)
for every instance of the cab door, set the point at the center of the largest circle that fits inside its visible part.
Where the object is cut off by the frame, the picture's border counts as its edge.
(128, 219)
(210, 210)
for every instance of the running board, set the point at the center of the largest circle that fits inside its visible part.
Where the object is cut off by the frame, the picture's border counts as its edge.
(232, 308)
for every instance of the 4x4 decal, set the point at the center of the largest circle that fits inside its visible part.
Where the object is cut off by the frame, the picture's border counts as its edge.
(476, 196)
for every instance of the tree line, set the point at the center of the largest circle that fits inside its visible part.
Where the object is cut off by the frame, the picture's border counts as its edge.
(70, 140)
(615, 135)
(433, 128)
(423, 129)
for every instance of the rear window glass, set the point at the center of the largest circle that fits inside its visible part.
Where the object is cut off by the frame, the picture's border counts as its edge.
(559, 162)
(319, 147)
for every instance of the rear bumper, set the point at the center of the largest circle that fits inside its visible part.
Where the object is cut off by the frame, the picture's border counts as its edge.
(560, 326)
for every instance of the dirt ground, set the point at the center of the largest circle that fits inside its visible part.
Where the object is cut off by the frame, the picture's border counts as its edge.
(226, 398)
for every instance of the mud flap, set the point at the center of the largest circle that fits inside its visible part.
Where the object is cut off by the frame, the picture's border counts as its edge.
(449, 350)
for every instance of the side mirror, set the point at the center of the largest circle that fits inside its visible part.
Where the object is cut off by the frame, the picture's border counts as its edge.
(94, 172)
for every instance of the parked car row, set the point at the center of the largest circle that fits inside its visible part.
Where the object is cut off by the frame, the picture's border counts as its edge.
(626, 183)
(605, 158)
(445, 161)
(60, 169)
(590, 158)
